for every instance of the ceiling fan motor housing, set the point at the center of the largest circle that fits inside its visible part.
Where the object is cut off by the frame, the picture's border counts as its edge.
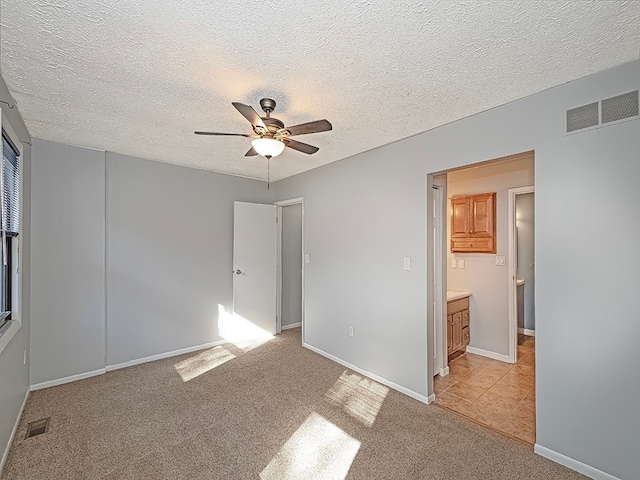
(273, 124)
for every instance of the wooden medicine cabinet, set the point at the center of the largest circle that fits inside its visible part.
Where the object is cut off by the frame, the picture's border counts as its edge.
(473, 223)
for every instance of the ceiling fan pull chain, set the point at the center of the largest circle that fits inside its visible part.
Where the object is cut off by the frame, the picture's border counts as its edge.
(268, 172)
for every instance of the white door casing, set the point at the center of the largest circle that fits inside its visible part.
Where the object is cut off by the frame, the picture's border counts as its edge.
(254, 264)
(279, 206)
(439, 317)
(512, 264)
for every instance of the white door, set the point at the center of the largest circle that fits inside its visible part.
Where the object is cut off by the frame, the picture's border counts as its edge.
(254, 264)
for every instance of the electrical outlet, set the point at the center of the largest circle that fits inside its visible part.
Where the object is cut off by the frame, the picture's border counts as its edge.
(350, 331)
(454, 264)
(307, 258)
(500, 260)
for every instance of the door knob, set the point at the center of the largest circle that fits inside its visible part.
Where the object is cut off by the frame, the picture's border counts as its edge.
(238, 272)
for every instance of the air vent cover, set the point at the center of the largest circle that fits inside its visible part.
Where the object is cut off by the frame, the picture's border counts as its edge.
(620, 107)
(37, 427)
(582, 117)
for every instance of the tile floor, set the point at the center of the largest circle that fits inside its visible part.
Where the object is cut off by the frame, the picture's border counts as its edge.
(496, 394)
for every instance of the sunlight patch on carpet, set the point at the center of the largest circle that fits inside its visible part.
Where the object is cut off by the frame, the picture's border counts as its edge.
(317, 450)
(202, 363)
(240, 331)
(358, 396)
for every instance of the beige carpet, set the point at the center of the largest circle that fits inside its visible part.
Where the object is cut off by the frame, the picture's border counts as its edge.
(276, 411)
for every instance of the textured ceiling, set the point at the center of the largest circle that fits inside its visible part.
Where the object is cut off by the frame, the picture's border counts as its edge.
(139, 77)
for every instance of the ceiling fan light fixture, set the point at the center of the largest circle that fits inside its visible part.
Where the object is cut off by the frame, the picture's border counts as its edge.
(268, 147)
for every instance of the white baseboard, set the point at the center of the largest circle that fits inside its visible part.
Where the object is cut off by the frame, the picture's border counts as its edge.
(131, 363)
(487, 353)
(530, 333)
(160, 356)
(568, 462)
(444, 371)
(292, 325)
(5, 455)
(373, 376)
(432, 398)
(72, 378)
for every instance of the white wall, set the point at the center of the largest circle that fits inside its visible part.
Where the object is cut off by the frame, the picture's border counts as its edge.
(363, 214)
(291, 264)
(166, 233)
(14, 373)
(68, 297)
(525, 222)
(488, 283)
(169, 254)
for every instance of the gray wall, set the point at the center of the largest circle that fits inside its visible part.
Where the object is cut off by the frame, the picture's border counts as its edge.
(14, 374)
(291, 264)
(363, 214)
(68, 297)
(525, 222)
(169, 254)
(166, 233)
(488, 283)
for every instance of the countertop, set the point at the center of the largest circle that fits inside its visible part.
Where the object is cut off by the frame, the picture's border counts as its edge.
(456, 295)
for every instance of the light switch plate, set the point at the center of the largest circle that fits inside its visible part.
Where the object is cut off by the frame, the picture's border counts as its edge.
(307, 258)
(351, 331)
(461, 263)
(501, 260)
(407, 263)
(454, 264)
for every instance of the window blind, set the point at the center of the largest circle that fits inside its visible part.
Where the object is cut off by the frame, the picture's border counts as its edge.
(10, 222)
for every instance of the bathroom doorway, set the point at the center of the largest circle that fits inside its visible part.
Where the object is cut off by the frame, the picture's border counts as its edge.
(485, 376)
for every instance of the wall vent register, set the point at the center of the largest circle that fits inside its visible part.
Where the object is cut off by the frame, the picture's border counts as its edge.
(603, 113)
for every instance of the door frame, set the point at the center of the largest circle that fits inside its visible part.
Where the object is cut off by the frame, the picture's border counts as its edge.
(440, 358)
(512, 264)
(279, 205)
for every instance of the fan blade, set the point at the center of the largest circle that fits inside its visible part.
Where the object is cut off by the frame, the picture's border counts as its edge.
(251, 153)
(311, 127)
(223, 134)
(301, 147)
(250, 114)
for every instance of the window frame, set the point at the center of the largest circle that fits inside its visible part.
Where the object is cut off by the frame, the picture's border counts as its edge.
(14, 245)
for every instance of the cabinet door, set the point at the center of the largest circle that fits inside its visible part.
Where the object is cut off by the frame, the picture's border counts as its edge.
(460, 217)
(466, 317)
(457, 331)
(483, 212)
(449, 335)
(466, 336)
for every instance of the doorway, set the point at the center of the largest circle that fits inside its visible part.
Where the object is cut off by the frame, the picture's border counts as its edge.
(290, 265)
(521, 261)
(479, 377)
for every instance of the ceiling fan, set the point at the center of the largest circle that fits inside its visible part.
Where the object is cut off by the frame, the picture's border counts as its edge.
(270, 135)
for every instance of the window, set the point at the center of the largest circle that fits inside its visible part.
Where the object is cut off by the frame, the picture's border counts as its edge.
(9, 222)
